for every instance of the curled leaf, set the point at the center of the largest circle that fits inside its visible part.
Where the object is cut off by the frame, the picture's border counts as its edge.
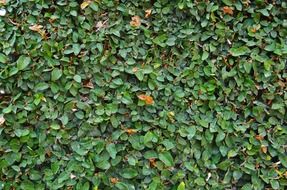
(136, 21)
(146, 98)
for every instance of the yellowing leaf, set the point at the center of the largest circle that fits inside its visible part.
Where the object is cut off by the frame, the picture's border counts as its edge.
(136, 21)
(147, 99)
(85, 4)
(181, 186)
(264, 149)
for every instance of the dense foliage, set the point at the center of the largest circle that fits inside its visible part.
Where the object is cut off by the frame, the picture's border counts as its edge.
(140, 94)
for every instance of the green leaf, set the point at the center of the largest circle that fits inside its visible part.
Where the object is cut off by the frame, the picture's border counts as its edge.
(41, 86)
(3, 58)
(111, 148)
(200, 181)
(55, 126)
(191, 132)
(21, 132)
(128, 173)
(23, 62)
(104, 165)
(139, 74)
(76, 49)
(204, 55)
(243, 50)
(8, 109)
(78, 78)
(149, 136)
(56, 74)
(171, 41)
(159, 40)
(232, 153)
(27, 185)
(228, 2)
(166, 158)
(224, 164)
(274, 184)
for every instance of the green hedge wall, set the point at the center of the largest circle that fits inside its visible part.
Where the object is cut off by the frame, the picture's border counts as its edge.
(140, 94)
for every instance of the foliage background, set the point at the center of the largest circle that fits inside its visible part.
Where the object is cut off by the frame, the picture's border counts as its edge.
(143, 94)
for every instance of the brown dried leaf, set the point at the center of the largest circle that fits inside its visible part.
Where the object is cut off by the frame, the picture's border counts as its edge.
(147, 99)
(152, 162)
(100, 24)
(88, 84)
(2, 120)
(246, 3)
(228, 10)
(36, 27)
(130, 131)
(259, 137)
(253, 30)
(147, 13)
(72, 176)
(136, 21)
(114, 180)
(3, 2)
(135, 69)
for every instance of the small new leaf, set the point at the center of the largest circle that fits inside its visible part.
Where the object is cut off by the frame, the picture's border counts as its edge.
(166, 158)
(23, 62)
